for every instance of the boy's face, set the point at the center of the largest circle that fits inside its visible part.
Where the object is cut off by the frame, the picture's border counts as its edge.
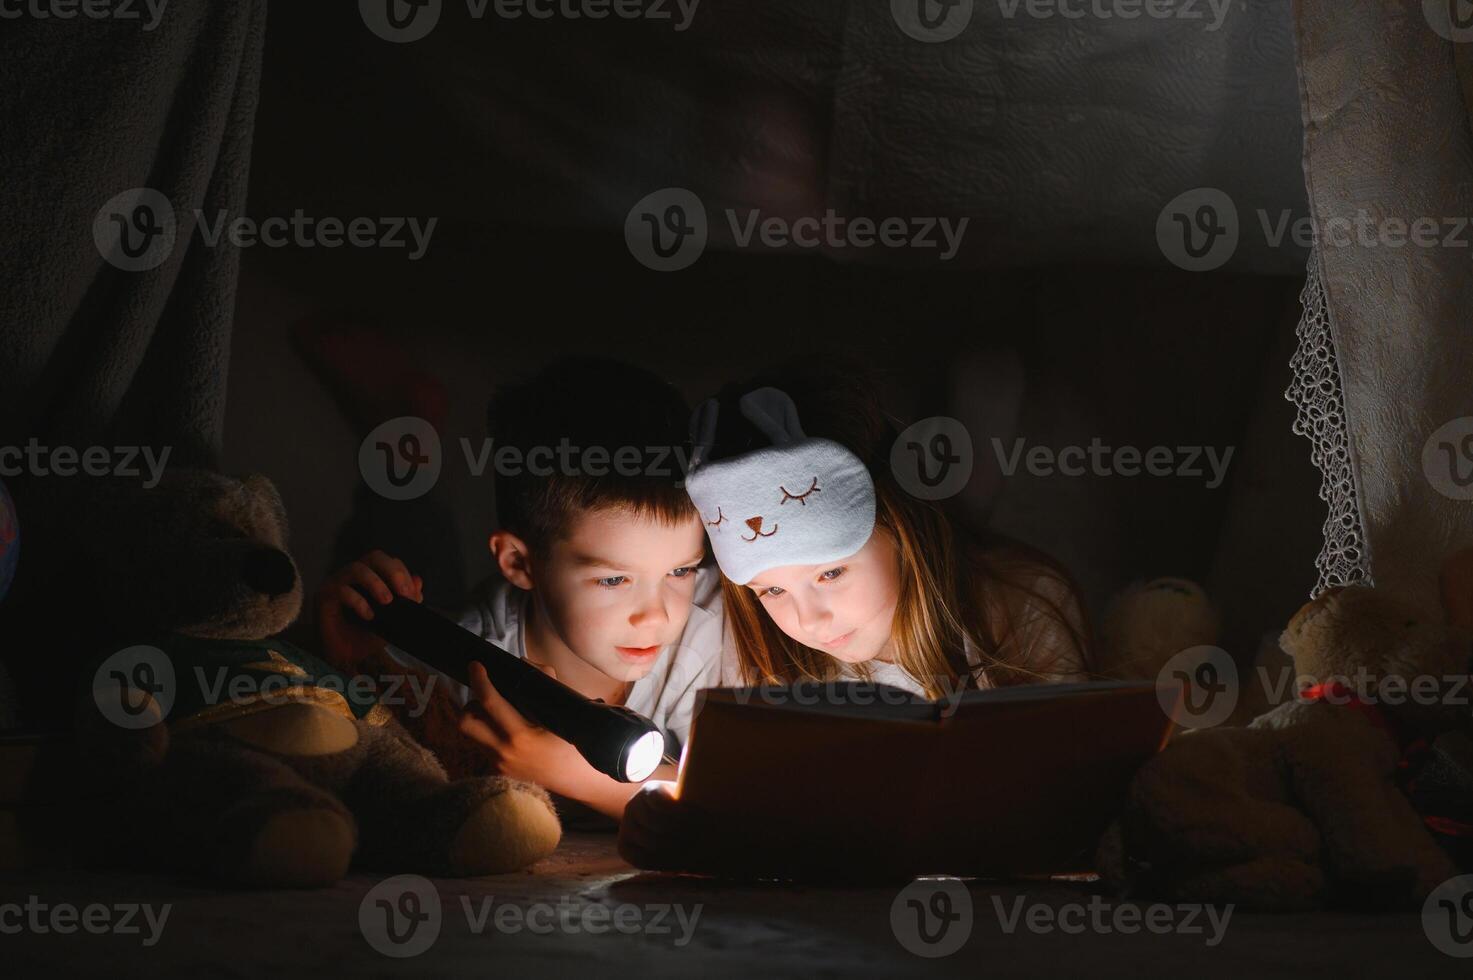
(618, 587)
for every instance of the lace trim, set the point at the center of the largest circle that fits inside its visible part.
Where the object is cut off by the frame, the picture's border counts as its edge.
(1317, 393)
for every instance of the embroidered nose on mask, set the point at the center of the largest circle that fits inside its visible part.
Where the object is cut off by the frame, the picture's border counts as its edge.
(755, 523)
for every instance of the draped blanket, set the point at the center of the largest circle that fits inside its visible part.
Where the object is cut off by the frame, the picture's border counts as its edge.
(118, 125)
(1384, 374)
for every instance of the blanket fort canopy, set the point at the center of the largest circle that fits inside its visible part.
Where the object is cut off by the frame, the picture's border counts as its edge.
(1061, 138)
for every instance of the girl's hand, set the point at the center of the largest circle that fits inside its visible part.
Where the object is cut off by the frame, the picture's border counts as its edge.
(344, 642)
(520, 749)
(659, 833)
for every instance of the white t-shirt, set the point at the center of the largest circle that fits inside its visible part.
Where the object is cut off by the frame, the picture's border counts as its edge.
(497, 612)
(893, 675)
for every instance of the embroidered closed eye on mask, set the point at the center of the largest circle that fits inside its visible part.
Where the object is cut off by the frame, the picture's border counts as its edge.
(799, 501)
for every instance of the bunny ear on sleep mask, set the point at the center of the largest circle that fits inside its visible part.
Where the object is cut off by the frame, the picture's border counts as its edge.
(798, 501)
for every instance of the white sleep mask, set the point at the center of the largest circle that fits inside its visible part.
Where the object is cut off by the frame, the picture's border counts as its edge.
(800, 501)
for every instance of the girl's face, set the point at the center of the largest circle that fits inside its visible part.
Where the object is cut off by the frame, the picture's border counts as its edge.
(843, 608)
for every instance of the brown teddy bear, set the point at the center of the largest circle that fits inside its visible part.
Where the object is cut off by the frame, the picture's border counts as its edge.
(1313, 802)
(256, 762)
(1147, 623)
(434, 721)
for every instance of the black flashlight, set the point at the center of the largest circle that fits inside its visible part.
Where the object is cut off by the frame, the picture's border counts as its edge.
(622, 743)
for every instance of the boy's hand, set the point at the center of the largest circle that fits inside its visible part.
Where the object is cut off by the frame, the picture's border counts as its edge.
(520, 749)
(346, 643)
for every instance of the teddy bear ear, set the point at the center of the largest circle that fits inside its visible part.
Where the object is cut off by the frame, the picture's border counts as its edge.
(1456, 586)
(260, 485)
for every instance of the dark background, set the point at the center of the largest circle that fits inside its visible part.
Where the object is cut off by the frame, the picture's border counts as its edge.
(530, 141)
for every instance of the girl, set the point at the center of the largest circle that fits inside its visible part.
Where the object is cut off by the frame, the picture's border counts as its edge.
(832, 569)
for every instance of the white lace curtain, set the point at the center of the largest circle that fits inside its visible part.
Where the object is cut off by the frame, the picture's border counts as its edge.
(1319, 396)
(1384, 368)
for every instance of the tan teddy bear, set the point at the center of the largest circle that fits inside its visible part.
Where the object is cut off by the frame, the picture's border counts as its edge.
(1147, 623)
(1308, 805)
(257, 764)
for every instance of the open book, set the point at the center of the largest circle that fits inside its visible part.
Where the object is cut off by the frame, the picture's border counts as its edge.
(861, 780)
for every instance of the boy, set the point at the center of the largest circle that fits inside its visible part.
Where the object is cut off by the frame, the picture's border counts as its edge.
(599, 552)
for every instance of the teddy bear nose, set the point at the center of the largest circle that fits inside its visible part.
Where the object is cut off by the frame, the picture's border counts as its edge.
(755, 523)
(269, 572)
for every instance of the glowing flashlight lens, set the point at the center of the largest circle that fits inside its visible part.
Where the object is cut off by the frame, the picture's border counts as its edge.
(644, 757)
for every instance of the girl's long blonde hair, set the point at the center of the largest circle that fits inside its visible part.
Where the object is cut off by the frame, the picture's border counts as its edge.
(954, 586)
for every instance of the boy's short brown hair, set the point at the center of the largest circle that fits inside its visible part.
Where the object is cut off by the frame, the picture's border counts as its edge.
(587, 433)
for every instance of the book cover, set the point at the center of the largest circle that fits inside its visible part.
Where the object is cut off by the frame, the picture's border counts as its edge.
(860, 780)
